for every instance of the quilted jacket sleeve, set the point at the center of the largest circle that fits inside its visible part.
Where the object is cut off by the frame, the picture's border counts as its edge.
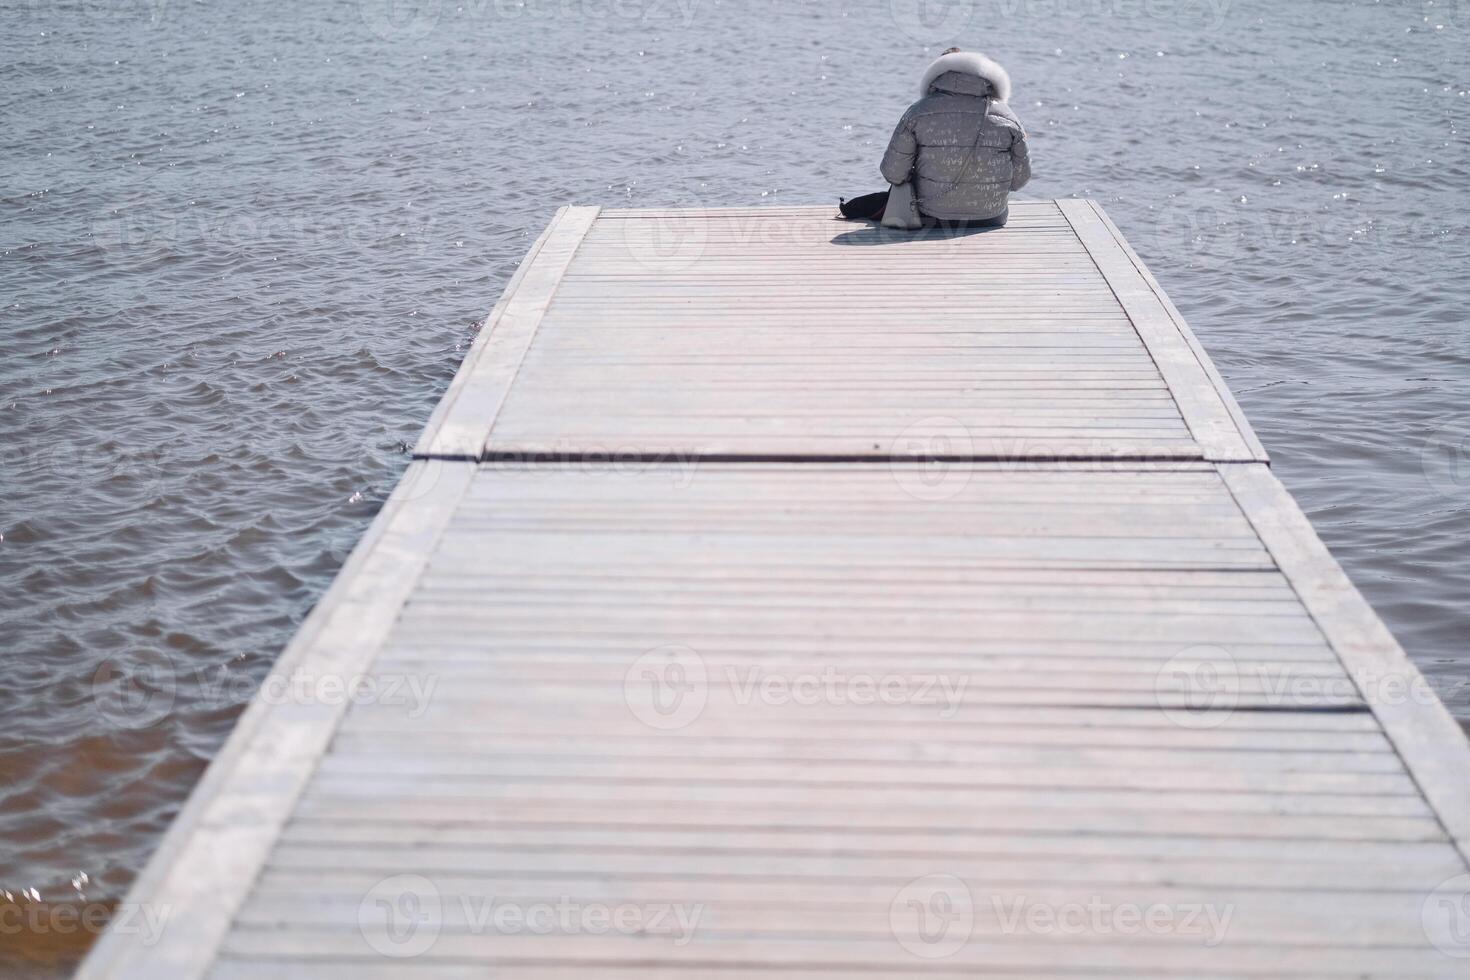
(1020, 155)
(1020, 161)
(898, 159)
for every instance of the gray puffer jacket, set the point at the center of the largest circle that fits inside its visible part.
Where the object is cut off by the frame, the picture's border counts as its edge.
(961, 142)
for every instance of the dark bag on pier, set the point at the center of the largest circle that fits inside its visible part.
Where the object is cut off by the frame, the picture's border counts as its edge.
(868, 207)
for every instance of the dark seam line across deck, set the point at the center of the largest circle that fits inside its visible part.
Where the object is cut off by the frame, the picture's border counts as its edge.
(638, 456)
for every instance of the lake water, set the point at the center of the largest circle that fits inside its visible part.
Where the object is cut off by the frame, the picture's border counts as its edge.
(246, 244)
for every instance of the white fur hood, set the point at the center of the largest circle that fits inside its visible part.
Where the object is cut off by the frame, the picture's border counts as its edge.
(969, 63)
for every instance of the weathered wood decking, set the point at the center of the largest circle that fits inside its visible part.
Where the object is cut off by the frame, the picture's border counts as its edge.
(773, 596)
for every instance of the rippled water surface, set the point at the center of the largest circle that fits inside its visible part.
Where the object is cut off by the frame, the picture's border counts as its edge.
(244, 245)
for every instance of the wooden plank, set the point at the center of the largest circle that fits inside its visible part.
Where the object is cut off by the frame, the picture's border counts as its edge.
(439, 769)
(1037, 656)
(366, 747)
(912, 815)
(322, 968)
(594, 953)
(525, 838)
(867, 583)
(864, 908)
(1201, 870)
(1009, 724)
(593, 598)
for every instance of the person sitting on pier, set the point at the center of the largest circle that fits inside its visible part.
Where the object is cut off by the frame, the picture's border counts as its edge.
(956, 154)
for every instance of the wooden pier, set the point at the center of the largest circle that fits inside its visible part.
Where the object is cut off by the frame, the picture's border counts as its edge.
(777, 596)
